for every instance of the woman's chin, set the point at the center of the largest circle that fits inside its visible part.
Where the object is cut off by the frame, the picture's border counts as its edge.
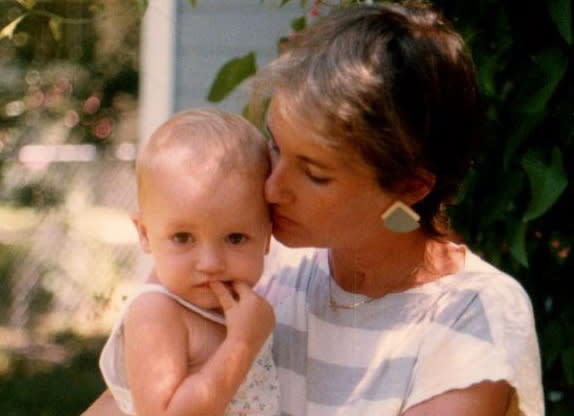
(291, 240)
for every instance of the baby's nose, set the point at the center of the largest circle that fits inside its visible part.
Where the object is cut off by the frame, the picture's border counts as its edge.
(210, 260)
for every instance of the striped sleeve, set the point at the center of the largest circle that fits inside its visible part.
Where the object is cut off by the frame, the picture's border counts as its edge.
(481, 334)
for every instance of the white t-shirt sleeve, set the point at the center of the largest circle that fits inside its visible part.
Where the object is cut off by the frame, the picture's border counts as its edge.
(479, 335)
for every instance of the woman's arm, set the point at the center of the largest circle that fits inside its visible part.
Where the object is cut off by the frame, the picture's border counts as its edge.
(482, 399)
(105, 405)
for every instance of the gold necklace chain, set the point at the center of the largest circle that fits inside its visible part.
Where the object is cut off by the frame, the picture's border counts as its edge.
(338, 306)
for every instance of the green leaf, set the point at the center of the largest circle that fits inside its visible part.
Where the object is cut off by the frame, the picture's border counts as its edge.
(467, 184)
(499, 204)
(283, 3)
(486, 74)
(230, 75)
(550, 67)
(298, 23)
(552, 342)
(8, 30)
(547, 182)
(142, 5)
(561, 14)
(56, 27)
(520, 129)
(193, 3)
(27, 4)
(568, 364)
(516, 235)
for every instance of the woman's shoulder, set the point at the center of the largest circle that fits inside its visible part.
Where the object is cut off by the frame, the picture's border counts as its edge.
(483, 289)
(489, 279)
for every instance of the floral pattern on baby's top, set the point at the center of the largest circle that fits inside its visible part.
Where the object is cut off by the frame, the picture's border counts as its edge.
(259, 392)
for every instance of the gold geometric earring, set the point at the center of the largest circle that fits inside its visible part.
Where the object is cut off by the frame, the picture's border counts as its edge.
(400, 218)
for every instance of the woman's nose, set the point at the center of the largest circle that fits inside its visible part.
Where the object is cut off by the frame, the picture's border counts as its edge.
(276, 185)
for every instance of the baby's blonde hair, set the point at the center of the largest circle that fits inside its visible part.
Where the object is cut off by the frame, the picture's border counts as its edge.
(205, 136)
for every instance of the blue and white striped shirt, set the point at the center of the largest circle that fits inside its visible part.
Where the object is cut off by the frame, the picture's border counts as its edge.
(395, 352)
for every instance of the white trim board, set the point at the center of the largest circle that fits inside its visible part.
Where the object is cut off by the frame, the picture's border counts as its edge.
(157, 67)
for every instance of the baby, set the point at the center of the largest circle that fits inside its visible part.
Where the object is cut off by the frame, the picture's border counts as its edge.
(196, 339)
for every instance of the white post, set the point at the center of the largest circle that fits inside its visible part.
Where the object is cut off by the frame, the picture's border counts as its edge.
(157, 67)
(157, 79)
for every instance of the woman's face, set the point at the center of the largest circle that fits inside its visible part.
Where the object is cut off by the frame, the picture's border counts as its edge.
(320, 197)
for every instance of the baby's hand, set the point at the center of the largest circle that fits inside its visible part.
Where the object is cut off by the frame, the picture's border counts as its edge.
(248, 316)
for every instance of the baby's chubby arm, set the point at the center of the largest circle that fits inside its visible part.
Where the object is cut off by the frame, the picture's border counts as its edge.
(157, 354)
(249, 321)
(249, 317)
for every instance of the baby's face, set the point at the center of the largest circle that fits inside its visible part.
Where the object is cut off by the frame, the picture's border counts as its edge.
(203, 227)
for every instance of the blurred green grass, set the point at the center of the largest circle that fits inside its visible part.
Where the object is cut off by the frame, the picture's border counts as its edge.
(33, 386)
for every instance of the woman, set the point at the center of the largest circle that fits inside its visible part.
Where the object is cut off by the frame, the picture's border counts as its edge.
(372, 120)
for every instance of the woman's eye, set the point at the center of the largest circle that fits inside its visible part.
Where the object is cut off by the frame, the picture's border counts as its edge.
(182, 238)
(273, 148)
(236, 238)
(317, 179)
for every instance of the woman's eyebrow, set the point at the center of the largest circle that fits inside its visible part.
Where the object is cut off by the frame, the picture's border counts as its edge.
(306, 159)
(312, 161)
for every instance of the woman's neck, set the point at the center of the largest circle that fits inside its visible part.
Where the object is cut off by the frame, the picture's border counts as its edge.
(394, 264)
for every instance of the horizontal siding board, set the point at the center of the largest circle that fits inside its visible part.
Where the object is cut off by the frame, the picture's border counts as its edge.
(206, 66)
(232, 30)
(236, 6)
(217, 30)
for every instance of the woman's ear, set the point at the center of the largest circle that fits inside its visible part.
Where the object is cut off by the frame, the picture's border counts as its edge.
(416, 189)
(142, 232)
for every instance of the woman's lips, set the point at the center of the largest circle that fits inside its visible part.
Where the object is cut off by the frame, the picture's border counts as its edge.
(279, 219)
(279, 216)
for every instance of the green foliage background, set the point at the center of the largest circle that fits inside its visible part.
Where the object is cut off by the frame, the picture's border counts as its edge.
(63, 64)
(517, 205)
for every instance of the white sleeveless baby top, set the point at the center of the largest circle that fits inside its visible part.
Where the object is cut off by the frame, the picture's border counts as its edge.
(257, 395)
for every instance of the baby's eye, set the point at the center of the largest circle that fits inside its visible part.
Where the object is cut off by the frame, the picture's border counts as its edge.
(182, 238)
(236, 238)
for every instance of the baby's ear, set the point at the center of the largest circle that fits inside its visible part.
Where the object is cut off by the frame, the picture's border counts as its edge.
(142, 232)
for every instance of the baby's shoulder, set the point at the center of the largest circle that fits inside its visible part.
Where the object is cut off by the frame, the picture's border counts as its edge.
(153, 309)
